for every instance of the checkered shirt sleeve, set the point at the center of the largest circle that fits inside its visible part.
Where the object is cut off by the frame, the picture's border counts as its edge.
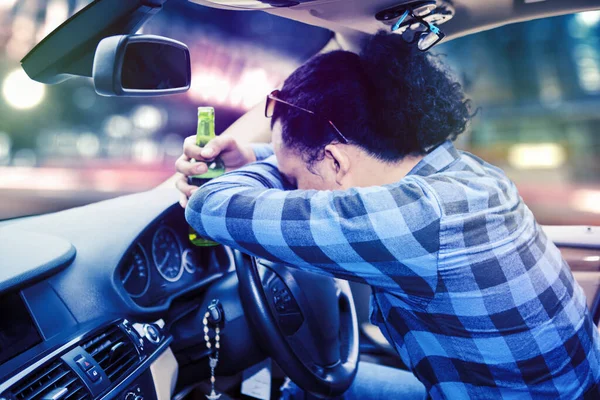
(346, 234)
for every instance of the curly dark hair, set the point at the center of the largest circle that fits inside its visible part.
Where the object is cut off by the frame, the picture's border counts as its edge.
(392, 100)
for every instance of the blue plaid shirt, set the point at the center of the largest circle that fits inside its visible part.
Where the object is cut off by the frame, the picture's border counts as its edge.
(474, 297)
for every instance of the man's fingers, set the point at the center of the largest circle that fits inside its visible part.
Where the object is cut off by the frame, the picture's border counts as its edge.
(184, 187)
(186, 167)
(183, 200)
(212, 149)
(190, 150)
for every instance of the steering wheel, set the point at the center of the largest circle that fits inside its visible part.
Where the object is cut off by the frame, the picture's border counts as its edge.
(306, 322)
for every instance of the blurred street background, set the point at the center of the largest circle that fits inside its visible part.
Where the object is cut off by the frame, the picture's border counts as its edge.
(537, 85)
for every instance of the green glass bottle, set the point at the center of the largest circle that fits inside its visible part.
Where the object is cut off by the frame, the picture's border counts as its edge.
(205, 133)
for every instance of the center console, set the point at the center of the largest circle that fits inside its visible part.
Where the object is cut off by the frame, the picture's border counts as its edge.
(109, 361)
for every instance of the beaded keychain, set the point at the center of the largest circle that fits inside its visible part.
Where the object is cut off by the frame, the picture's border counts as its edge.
(212, 361)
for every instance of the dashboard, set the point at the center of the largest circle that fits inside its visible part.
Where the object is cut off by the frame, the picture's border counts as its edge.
(162, 262)
(79, 289)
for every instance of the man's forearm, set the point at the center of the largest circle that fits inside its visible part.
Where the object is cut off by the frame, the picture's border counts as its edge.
(251, 127)
(341, 233)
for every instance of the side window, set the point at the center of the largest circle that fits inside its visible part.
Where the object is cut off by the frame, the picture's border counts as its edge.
(538, 86)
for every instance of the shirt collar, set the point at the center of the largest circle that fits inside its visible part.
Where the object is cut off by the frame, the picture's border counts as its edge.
(438, 159)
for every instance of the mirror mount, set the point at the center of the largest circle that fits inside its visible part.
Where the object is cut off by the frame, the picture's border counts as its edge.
(141, 65)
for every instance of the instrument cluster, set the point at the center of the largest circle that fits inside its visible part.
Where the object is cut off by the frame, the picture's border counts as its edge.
(163, 262)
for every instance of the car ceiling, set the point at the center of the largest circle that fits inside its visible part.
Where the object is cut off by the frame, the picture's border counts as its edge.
(352, 16)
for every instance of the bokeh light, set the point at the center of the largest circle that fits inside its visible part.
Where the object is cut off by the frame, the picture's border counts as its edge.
(5, 148)
(117, 126)
(173, 143)
(148, 118)
(586, 200)
(21, 92)
(84, 97)
(536, 155)
(6, 4)
(24, 158)
(56, 13)
(253, 87)
(589, 18)
(88, 145)
(145, 151)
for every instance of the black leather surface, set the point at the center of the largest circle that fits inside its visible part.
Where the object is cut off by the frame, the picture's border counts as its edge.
(26, 257)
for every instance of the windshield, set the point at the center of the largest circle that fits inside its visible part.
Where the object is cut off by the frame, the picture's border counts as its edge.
(63, 145)
(537, 85)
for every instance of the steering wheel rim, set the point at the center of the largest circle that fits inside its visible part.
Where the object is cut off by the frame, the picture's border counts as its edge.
(320, 380)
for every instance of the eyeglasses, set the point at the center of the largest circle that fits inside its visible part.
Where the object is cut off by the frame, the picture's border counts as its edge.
(273, 99)
(418, 30)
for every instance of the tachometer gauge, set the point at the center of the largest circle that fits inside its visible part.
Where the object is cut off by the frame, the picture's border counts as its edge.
(135, 275)
(166, 252)
(190, 261)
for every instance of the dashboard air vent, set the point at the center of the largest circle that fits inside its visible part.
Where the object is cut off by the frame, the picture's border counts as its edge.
(49, 381)
(114, 351)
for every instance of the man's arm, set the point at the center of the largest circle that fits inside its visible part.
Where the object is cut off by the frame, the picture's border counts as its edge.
(386, 236)
(252, 127)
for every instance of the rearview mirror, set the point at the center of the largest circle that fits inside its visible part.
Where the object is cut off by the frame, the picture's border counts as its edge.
(141, 65)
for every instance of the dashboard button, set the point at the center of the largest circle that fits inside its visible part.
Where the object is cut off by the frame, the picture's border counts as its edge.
(83, 363)
(152, 333)
(93, 374)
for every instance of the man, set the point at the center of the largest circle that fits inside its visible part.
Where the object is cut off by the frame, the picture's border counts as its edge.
(366, 185)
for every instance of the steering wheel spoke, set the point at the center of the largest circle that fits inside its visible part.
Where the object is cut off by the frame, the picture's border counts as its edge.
(306, 322)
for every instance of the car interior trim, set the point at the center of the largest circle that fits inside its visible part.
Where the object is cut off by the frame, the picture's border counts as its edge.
(115, 391)
(164, 373)
(21, 266)
(574, 236)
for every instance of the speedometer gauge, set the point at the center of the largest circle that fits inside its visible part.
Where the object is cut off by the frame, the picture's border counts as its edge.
(166, 252)
(190, 261)
(135, 275)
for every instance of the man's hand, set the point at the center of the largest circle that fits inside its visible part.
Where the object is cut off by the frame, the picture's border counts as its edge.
(232, 154)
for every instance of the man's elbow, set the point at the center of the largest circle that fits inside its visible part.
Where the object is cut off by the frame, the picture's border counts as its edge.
(193, 210)
(206, 212)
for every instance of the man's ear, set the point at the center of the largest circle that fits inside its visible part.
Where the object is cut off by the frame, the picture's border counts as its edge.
(339, 162)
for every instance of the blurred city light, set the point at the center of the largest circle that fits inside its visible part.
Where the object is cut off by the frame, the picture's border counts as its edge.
(5, 148)
(23, 36)
(147, 118)
(24, 158)
(536, 155)
(57, 12)
(587, 58)
(586, 200)
(172, 144)
(117, 126)
(145, 151)
(88, 145)
(84, 97)
(24, 178)
(589, 18)
(65, 143)
(213, 87)
(116, 149)
(21, 92)
(6, 4)
(252, 88)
